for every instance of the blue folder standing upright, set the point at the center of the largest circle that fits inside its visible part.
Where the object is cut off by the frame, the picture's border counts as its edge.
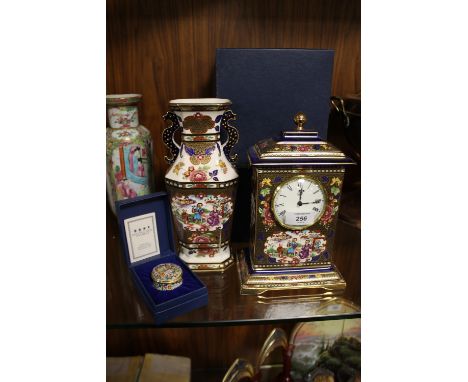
(268, 87)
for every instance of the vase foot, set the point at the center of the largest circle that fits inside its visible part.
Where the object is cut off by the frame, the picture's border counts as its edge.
(207, 259)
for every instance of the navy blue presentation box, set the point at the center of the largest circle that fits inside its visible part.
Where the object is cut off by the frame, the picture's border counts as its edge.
(268, 87)
(164, 305)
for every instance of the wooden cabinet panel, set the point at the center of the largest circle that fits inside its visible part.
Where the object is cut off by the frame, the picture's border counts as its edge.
(165, 49)
(208, 348)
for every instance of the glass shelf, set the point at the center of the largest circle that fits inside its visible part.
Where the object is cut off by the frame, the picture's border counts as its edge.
(226, 306)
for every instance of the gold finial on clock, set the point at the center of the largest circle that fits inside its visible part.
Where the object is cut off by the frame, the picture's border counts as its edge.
(300, 119)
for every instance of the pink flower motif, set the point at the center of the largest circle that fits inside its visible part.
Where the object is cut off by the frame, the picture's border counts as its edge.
(303, 148)
(132, 193)
(125, 191)
(198, 176)
(201, 239)
(328, 215)
(118, 176)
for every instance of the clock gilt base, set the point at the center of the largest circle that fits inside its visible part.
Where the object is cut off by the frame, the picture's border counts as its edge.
(320, 282)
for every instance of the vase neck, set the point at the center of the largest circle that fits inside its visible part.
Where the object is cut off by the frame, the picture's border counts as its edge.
(122, 116)
(200, 125)
(190, 137)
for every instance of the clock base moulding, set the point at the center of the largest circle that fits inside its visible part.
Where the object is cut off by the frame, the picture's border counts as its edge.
(323, 281)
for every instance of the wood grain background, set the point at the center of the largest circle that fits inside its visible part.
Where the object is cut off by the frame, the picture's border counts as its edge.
(165, 49)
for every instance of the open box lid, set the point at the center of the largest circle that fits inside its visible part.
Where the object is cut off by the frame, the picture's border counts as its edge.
(145, 227)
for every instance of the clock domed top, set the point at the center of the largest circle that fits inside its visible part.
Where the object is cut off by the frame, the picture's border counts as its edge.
(299, 146)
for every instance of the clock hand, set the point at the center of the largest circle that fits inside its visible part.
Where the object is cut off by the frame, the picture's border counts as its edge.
(299, 203)
(315, 202)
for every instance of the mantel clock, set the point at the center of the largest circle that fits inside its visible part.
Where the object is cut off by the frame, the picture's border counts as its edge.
(296, 189)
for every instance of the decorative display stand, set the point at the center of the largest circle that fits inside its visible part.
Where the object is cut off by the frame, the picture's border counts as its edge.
(202, 180)
(129, 150)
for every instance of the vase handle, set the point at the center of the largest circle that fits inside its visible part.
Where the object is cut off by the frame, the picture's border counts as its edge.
(340, 108)
(168, 136)
(233, 135)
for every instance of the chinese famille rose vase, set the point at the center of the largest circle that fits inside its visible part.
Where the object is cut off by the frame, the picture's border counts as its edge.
(129, 150)
(202, 180)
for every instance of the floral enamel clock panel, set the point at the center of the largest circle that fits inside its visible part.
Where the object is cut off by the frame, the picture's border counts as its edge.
(295, 216)
(298, 202)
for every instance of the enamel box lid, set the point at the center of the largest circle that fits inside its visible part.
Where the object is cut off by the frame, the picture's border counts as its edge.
(296, 147)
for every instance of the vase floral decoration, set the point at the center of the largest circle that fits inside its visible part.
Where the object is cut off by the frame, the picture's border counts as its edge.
(202, 180)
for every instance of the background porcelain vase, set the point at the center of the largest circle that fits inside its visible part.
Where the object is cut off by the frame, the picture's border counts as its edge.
(202, 180)
(129, 150)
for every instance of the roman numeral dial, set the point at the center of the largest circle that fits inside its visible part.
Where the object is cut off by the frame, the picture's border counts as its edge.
(298, 202)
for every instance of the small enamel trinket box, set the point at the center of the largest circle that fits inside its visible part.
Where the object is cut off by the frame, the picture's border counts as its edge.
(166, 276)
(165, 282)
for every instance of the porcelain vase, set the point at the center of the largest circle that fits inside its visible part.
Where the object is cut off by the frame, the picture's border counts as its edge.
(202, 180)
(129, 150)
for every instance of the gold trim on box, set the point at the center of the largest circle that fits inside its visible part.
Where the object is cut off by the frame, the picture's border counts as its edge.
(314, 164)
(311, 266)
(270, 148)
(298, 170)
(300, 133)
(298, 154)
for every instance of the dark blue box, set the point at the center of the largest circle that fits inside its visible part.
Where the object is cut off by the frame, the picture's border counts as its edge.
(164, 304)
(268, 87)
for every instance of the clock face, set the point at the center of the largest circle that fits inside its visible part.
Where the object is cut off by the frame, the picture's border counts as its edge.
(298, 202)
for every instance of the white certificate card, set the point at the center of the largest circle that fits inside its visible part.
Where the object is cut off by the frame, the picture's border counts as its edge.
(142, 236)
